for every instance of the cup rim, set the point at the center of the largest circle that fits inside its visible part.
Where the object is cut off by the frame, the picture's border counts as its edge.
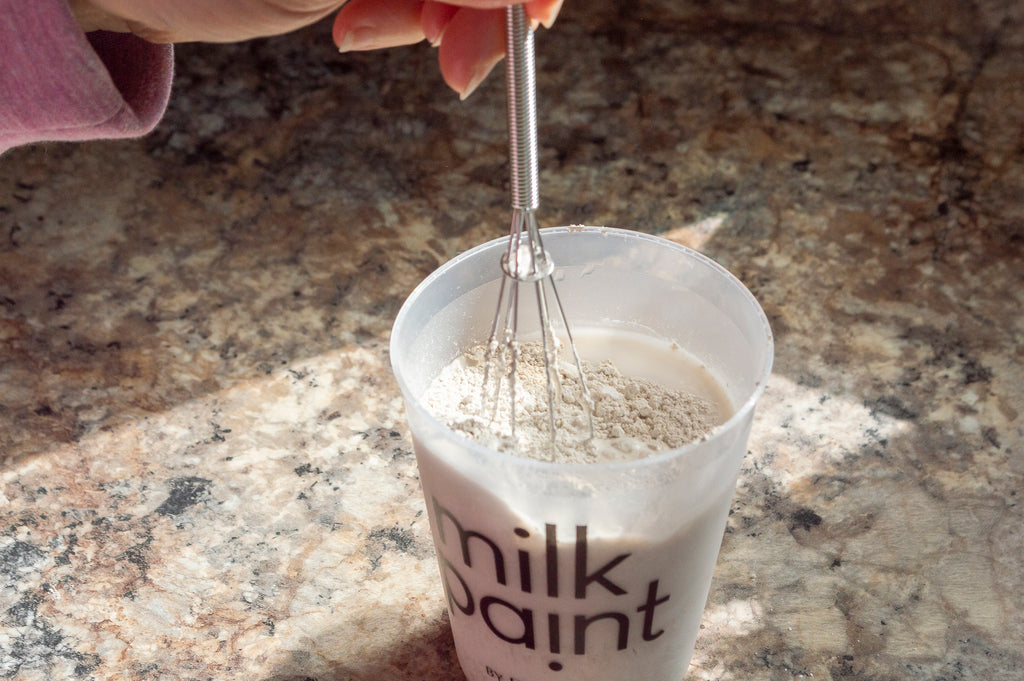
(481, 451)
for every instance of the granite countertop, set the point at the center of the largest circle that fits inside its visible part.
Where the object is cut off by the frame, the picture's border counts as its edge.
(206, 472)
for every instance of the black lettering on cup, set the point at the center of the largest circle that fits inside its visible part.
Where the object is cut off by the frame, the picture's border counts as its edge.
(467, 607)
(582, 623)
(583, 579)
(515, 624)
(524, 617)
(648, 610)
(440, 513)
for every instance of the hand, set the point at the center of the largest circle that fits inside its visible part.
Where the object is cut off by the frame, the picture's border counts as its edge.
(469, 34)
(174, 21)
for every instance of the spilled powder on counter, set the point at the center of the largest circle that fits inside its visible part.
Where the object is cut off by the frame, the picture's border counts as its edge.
(632, 417)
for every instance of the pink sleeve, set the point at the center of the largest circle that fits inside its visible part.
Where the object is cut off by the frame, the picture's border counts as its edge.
(57, 83)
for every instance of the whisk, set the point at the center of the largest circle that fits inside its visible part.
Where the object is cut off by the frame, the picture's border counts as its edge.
(526, 263)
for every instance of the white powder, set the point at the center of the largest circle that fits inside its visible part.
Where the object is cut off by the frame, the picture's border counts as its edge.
(632, 417)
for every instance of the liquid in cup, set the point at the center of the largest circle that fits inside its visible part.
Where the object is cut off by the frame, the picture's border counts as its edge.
(573, 571)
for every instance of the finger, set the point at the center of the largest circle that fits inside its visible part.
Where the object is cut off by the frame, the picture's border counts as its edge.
(543, 11)
(474, 41)
(434, 19)
(373, 24)
(437, 13)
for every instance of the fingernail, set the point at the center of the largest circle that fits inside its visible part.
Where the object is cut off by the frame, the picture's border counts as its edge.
(548, 20)
(359, 38)
(478, 77)
(433, 28)
(434, 19)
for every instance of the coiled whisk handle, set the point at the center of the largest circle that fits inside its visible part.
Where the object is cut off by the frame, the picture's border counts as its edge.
(521, 87)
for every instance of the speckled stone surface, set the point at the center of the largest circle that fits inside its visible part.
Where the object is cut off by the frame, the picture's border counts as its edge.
(206, 472)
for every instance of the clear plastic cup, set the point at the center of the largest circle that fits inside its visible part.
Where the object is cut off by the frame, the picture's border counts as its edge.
(582, 571)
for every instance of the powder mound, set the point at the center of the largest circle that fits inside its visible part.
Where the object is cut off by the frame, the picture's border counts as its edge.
(632, 417)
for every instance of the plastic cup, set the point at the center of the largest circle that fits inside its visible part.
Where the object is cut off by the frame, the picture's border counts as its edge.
(582, 571)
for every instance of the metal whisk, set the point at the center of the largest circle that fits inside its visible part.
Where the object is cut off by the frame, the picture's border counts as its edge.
(526, 262)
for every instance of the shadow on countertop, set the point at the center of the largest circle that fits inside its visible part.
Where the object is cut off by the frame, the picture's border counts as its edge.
(429, 655)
